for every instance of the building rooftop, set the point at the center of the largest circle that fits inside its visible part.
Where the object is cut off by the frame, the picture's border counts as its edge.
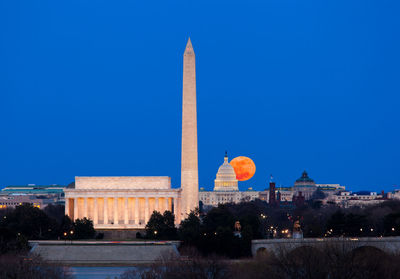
(33, 189)
(304, 178)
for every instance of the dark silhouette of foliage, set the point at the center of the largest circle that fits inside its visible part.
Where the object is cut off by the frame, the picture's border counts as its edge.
(161, 226)
(31, 222)
(83, 229)
(18, 267)
(26, 222)
(189, 229)
(334, 260)
(212, 232)
(391, 224)
(56, 212)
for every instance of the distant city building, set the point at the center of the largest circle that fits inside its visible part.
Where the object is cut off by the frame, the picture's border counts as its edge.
(37, 195)
(330, 189)
(303, 189)
(304, 185)
(12, 201)
(272, 194)
(33, 189)
(226, 190)
(394, 195)
(361, 199)
(285, 194)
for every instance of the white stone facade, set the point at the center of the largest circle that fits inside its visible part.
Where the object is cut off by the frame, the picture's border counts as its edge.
(123, 182)
(348, 199)
(189, 163)
(121, 202)
(226, 177)
(213, 198)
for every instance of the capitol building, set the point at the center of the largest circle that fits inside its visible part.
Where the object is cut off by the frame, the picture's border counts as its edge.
(226, 177)
(226, 188)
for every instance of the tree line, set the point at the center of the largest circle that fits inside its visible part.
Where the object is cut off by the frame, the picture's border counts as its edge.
(26, 222)
(334, 260)
(212, 232)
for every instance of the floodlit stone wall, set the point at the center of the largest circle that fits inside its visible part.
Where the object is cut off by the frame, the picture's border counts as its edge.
(122, 182)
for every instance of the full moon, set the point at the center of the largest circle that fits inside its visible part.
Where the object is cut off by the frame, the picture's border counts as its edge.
(244, 168)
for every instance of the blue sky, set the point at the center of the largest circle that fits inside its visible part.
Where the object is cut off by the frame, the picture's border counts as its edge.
(94, 88)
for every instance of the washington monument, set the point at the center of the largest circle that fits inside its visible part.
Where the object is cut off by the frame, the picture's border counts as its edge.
(126, 202)
(189, 167)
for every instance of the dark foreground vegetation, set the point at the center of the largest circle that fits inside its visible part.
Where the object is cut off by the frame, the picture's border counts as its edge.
(339, 261)
(26, 222)
(212, 232)
(14, 266)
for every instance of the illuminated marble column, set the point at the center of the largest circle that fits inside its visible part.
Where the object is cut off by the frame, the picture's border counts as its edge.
(179, 210)
(156, 205)
(176, 209)
(85, 208)
(75, 209)
(115, 211)
(126, 216)
(146, 210)
(166, 203)
(67, 208)
(105, 211)
(136, 211)
(95, 212)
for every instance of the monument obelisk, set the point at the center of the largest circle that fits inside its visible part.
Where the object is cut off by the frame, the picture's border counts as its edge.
(189, 166)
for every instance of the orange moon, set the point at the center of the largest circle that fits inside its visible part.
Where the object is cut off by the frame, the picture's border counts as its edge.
(244, 168)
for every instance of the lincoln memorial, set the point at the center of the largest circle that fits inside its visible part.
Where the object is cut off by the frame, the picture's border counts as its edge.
(121, 202)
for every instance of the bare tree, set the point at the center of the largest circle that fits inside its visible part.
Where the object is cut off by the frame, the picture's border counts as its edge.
(19, 267)
(192, 266)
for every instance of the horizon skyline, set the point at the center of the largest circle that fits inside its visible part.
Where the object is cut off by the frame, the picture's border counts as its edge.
(99, 93)
(278, 185)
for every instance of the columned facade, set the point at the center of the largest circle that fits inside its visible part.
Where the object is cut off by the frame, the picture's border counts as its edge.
(121, 202)
(120, 209)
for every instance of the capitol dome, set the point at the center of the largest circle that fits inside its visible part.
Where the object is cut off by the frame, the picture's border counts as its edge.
(226, 177)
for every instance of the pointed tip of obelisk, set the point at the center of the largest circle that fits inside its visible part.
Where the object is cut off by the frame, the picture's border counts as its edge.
(189, 47)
